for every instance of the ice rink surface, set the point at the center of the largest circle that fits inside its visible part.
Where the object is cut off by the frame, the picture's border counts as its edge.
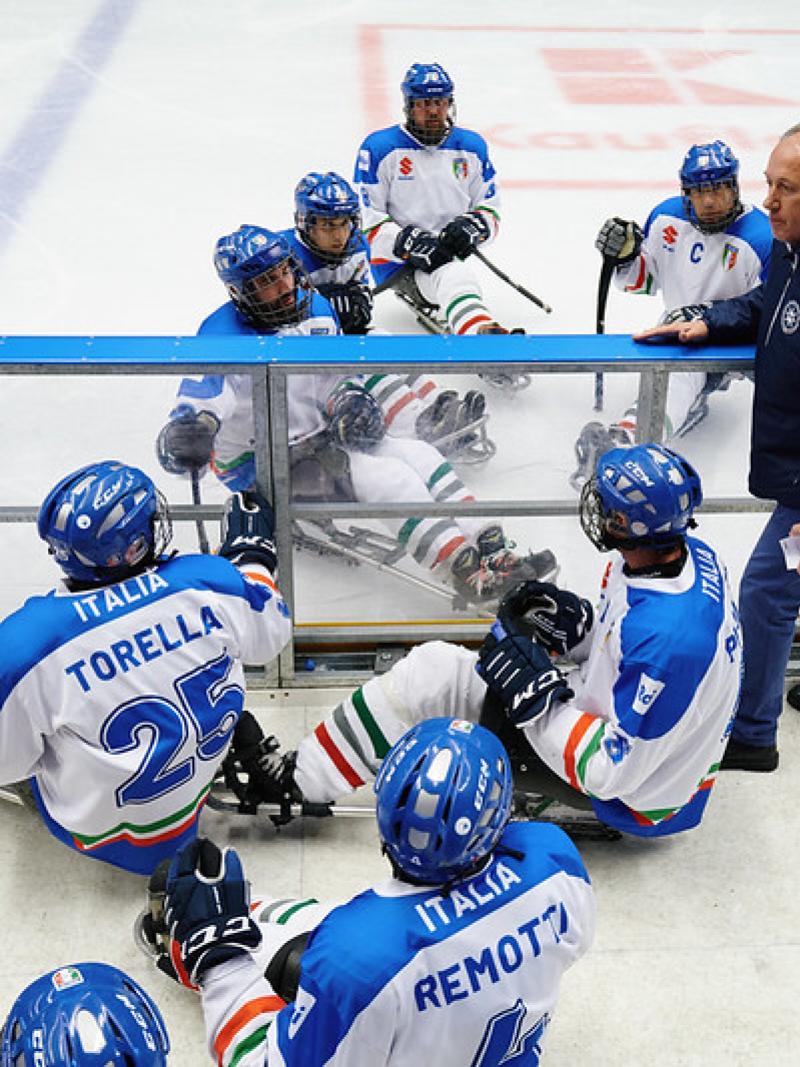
(134, 133)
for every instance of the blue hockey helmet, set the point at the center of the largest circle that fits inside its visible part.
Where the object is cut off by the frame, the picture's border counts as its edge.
(103, 521)
(83, 1015)
(443, 798)
(251, 258)
(428, 81)
(708, 166)
(639, 496)
(326, 196)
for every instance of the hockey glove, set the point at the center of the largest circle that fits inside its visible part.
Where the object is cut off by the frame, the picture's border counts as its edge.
(619, 240)
(421, 250)
(522, 675)
(356, 419)
(207, 908)
(464, 233)
(247, 530)
(687, 313)
(352, 304)
(557, 619)
(186, 442)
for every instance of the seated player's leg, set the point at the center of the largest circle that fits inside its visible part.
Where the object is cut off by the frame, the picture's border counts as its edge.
(346, 749)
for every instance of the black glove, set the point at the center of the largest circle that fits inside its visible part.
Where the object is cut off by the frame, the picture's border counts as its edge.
(356, 419)
(352, 303)
(247, 530)
(619, 239)
(687, 313)
(187, 441)
(421, 249)
(207, 907)
(464, 233)
(522, 675)
(556, 618)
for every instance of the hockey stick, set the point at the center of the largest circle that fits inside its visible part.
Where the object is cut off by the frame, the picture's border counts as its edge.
(197, 501)
(606, 274)
(520, 288)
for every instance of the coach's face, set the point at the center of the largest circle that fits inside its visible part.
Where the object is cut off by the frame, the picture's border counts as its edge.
(782, 201)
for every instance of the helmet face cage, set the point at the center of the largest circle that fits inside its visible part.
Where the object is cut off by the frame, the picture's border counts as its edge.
(443, 799)
(640, 496)
(244, 260)
(428, 81)
(84, 1015)
(104, 521)
(710, 166)
(326, 196)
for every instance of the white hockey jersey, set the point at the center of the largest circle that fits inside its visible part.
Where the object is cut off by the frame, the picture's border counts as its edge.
(119, 702)
(403, 975)
(354, 268)
(690, 267)
(230, 397)
(643, 736)
(401, 182)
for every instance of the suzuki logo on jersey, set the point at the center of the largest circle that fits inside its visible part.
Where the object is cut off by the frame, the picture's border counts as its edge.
(669, 236)
(646, 694)
(461, 168)
(790, 317)
(730, 254)
(406, 167)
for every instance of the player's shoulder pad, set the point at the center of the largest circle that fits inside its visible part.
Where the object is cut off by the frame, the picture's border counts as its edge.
(377, 146)
(547, 850)
(671, 208)
(466, 141)
(225, 320)
(753, 227)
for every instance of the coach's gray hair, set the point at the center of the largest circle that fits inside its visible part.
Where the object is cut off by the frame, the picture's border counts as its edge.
(791, 131)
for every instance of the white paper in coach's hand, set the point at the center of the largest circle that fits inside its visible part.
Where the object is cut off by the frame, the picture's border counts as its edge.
(791, 551)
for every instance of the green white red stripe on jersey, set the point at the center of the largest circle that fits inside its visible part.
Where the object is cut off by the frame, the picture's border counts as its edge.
(353, 741)
(146, 834)
(246, 1030)
(467, 313)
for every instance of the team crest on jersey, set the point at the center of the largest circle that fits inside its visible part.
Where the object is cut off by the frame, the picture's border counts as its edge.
(790, 317)
(646, 693)
(406, 167)
(461, 168)
(730, 254)
(617, 748)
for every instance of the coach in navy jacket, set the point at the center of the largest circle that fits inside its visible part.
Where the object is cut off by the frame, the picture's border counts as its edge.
(769, 595)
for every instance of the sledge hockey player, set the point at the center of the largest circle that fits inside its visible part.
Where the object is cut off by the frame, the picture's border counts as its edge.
(338, 445)
(429, 199)
(121, 691)
(328, 243)
(82, 1014)
(700, 246)
(636, 732)
(455, 959)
